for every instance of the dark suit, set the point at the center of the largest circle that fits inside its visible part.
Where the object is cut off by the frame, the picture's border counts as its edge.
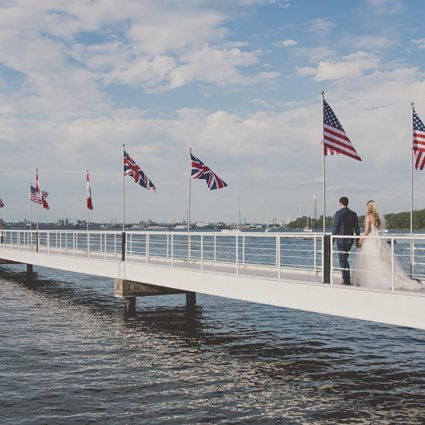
(346, 223)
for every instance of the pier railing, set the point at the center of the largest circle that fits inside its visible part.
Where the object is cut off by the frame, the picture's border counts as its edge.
(275, 251)
(235, 252)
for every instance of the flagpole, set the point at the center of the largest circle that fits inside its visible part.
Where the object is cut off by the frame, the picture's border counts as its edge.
(30, 209)
(411, 203)
(323, 167)
(189, 206)
(86, 203)
(190, 191)
(36, 194)
(123, 190)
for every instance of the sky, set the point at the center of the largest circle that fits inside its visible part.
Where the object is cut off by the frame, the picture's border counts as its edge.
(237, 81)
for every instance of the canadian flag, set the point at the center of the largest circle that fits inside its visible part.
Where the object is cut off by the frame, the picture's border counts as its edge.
(89, 201)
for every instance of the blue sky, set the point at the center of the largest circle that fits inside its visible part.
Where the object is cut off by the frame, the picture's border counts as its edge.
(237, 81)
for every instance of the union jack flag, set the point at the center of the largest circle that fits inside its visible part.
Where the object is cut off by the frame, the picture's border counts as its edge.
(201, 171)
(1, 204)
(133, 170)
(335, 140)
(418, 142)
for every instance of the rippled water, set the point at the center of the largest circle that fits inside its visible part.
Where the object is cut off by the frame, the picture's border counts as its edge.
(68, 354)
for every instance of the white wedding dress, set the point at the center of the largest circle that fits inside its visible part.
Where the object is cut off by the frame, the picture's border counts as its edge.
(372, 266)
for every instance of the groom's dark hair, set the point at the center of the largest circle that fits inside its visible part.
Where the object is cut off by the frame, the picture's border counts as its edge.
(343, 200)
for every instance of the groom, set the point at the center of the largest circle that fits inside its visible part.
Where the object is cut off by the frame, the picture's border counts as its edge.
(346, 223)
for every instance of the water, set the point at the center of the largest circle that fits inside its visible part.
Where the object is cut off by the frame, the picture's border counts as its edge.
(69, 355)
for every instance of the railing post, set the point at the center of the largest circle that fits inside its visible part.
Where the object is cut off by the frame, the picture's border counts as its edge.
(237, 254)
(123, 246)
(278, 241)
(88, 244)
(168, 245)
(243, 249)
(326, 261)
(172, 250)
(147, 247)
(202, 252)
(392, 266)
(315, 253)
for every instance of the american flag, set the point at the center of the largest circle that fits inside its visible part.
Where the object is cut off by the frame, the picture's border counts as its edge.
(89, 200)
(133, 170)
(335, 140)
(33, 195)
(418, 142)
(201, 171)
(1, 204)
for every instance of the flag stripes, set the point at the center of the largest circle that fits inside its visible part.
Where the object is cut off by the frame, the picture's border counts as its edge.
(418, 142)
(335, 140)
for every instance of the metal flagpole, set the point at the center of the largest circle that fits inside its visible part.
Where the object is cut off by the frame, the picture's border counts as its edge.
(37, 187)
(189, 248)
(323, 167)
(123, 189)
(190, 190)
(30, 209)
(411, 203)
(87, 207)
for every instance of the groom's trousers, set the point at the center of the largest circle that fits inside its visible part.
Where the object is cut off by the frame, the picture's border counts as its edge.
(343, 253)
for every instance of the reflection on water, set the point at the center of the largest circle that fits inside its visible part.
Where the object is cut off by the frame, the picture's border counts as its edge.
(68, 354)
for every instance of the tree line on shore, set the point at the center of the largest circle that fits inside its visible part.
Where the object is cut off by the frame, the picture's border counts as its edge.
(396, 221)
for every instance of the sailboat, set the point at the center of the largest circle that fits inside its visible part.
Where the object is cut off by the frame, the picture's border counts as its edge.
(308, 228)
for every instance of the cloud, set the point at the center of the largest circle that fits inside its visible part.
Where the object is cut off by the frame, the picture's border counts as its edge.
(386, 7)
(285, 43)
(373, 42)
(351, 66)
(419, 43)
(320, 25)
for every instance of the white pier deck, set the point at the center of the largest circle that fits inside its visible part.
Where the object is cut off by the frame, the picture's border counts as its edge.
(277, 269)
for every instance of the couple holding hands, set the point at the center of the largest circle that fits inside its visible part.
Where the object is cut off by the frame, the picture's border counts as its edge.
(372, 267)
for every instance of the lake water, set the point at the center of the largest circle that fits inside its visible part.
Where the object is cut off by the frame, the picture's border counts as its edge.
(69, 355)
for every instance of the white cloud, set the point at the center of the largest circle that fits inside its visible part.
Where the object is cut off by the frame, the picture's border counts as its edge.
(285, 43)
(419, 43)
(372, 42)
(351, 66)
(387, 7)
(320, 25)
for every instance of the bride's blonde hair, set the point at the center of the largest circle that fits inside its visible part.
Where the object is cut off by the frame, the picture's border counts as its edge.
(372, 209)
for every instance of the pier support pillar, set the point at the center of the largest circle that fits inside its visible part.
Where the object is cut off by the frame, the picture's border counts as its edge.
(29, 271)
(190, 299)
(129, 290)
(130, 305)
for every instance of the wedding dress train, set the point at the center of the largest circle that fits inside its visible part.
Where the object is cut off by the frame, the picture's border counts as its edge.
(372, 267)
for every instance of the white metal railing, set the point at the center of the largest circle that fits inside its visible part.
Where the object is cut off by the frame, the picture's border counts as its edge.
(237, 251)
(403, 254)
(276, 251)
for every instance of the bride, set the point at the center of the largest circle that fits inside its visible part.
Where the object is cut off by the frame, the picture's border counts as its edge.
(372, 266)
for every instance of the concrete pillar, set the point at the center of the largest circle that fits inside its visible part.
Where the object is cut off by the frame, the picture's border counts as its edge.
(29, 271)
(130, 305)
(190, 299)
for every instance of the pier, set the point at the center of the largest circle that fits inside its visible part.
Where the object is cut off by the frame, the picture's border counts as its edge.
(292, 270)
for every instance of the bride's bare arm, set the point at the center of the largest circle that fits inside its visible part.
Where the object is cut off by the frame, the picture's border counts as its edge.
(366, 230)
